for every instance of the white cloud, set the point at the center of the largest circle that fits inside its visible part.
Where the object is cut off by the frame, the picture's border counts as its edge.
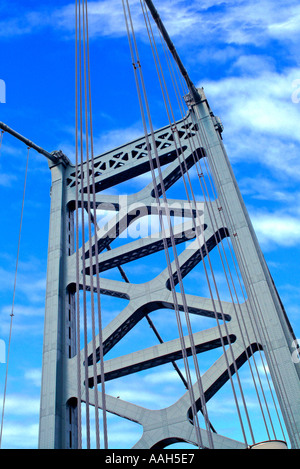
(30, 283)
(276, 228)
(288, 26)
(21, 310)
(259, 119)
(254, 22)
(263, 188)
(34, 376)
(20, 436)
(238, 22)
(116, 137)
(103, 141)
(16, 404)
(7, 180)
(105, 19)
(261, 101)
(158, 377)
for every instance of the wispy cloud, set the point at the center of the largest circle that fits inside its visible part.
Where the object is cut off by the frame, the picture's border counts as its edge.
(7, 180)
(238, 22)
(288, 26)
(33, 376)
(20, 436)
(277, 229)
(259, 118)
(31, 286)
(264, 188)
(16, 404)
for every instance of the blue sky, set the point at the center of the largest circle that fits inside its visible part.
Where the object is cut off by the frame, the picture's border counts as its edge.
(245, 56)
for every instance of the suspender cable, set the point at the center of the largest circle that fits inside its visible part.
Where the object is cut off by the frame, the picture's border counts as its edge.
(97, 435)
(206, 271)
(78, 347)
(194, 200)
(85, 116)
(85, 325)
(13, 300)
(230, 274)
(171, 122)
(236, 271)
(177, 152)
(221, 213)
(233, 231)
(137, 65)
(220, 242)
(260, 328)
(191, 138)
(101, 354)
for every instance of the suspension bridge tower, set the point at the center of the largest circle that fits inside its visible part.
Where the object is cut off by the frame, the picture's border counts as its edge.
(250, 330)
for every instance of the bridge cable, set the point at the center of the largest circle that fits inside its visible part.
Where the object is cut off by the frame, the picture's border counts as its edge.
(186, 169)
(195, 203)
(200, 174)
(84, 288)
(85, 116)
(183, 348)
(243, 263)
(218, 241)
(13, 300)
(232, 300)
(245, 329)
(190, 137)
(101, 352)
(172, 123)
(88, 208)
(78, 346)
(142, 91)
(260, 329)
(226, 261)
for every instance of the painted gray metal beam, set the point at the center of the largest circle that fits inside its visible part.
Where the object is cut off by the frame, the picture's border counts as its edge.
(51, 156)
(51, 429)
(59, 387)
